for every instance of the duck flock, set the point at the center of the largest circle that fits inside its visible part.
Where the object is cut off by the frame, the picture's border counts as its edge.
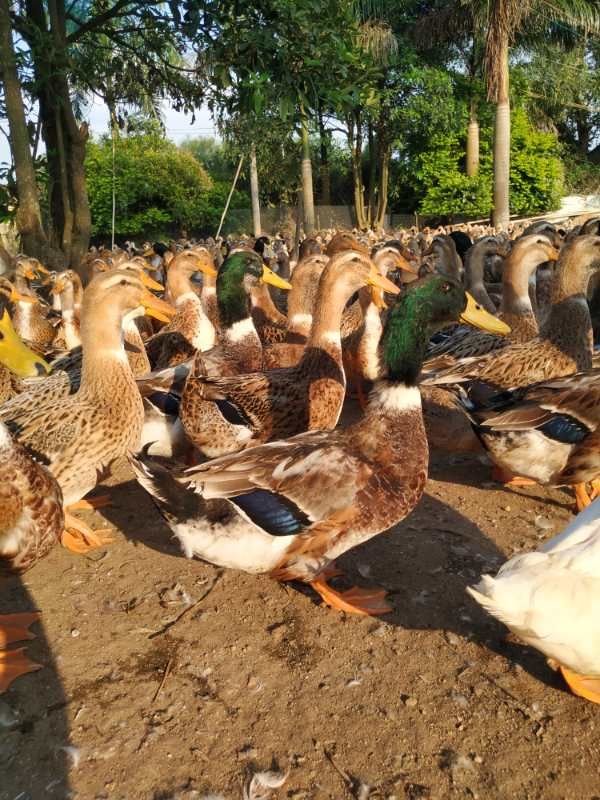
(220, 371)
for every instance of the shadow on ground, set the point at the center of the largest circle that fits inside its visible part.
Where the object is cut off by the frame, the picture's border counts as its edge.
(34, 729)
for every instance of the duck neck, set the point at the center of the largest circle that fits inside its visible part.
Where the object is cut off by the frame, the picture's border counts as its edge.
(232, 299)
(261, 300)
(104, 356)
(178, 284)
(405, 341)
(334, 293)
(571, 278)
(518, 272)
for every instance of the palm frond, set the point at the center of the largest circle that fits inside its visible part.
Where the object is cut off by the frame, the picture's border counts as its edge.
(378, 39)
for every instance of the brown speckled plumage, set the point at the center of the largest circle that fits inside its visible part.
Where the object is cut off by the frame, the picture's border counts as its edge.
(564, 345)
(31, 515)
(82, 434)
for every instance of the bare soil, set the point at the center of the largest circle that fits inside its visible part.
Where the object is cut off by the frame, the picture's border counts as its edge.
(145, 696)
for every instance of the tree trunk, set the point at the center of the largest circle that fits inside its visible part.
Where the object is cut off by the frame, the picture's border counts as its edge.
(501, 213)
(372, 175)
(355, 144)
(382, 189)
(65, 140)
(307, 178)
(473, 141)
(324, 165)
(29, 218)
(254, 193)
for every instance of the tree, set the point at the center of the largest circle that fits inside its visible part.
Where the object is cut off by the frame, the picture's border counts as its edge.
(161, 190)
(69, 51)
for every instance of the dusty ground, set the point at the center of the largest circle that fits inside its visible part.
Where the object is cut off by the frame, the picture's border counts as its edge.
(432, 701)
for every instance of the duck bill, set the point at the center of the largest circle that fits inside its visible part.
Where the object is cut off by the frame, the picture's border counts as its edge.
(150, 283)
(40, 268)
(154, 307)
(207, 269)
(477, 316)
(404, 264)
(268, 276)
(553, 254)
(15, 356)
(17, 297)
(377, 298)
(381, 282)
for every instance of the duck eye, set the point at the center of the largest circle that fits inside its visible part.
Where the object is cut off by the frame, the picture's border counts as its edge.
(445, 287)
(123, 282)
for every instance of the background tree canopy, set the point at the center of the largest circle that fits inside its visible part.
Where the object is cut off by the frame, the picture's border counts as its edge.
(442, 108)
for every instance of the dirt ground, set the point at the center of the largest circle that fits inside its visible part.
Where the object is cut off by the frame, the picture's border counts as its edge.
(168, 678)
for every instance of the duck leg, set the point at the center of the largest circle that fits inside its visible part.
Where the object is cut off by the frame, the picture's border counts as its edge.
(582, 498)
(595, 484)
(582, 685)
(80, 538)
(509, 480)
(368, 602)
(13, 663)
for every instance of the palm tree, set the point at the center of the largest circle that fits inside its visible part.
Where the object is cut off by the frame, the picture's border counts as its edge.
(497, 24)
(506, 19)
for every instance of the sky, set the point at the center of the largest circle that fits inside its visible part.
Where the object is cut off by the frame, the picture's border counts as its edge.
(179, 126)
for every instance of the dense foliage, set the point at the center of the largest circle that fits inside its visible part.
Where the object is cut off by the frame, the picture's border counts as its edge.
(160, 189)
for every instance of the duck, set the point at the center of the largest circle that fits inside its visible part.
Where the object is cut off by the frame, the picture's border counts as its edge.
(190, 329)
(474, 261)
(547, 433)
(31, 514)
(79, 436)
(10, 383)
(516, 308)
(301, 303)
(65, 287)
(563, 345)
(29, 318)
(224, 414)
(306, 500)
(238, 347)
(550, 597)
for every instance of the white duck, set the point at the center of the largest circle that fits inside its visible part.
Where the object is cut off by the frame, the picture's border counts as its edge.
(550, 599)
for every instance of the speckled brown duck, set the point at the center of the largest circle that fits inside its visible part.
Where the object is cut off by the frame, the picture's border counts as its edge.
(516, 309)
(564, 343)
(81, 435)
(191, 328)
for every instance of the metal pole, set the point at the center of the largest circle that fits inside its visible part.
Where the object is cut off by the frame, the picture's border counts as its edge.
(231, 191)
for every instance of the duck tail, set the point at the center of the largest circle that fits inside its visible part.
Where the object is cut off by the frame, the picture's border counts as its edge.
(175, 501)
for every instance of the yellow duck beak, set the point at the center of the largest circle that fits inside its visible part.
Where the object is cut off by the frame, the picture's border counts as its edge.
(206, 268)
(150, 283)
(268, 276)
(42, 269)
(154, 307)
(377, 298)
(16, 356)
(381, 282)
(477, 316)
(17, 297)
(405, 264)
(553, 253)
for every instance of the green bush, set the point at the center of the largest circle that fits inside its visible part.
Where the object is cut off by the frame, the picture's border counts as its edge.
(160, 189)
(536, 171)
(441, 186)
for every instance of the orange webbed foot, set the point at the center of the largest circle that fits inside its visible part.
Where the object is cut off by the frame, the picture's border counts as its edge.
(582, 685)
(80, 538)
(367, 602)
(14, 663)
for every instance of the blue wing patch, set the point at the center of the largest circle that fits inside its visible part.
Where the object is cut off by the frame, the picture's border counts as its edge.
(566, 429)
(273, 513)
